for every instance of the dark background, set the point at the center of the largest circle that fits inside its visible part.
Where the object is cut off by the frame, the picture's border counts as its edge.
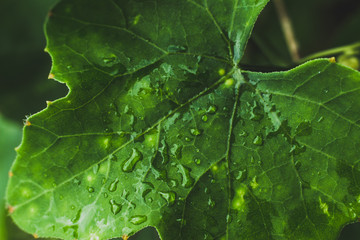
(24, 66)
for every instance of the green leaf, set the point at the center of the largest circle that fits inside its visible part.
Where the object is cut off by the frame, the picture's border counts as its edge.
(161, 128)
(10, 135)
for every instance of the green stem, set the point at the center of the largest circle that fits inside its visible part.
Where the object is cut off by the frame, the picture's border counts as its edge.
(349, 49)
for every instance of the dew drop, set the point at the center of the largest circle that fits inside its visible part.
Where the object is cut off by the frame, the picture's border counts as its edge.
(129, 164)
(195, 131)
(169, 197)
(164, 152)
(103, 181)
(172, 183)
(176, 151)
(187, 180)
(204, 118)
(228, 218)
(197, 161)
(212, 109)
(176, 49)
(109, 60)
(211, 203)
(105, 195)
(239, 175)
(258, 140)
(77, 217)
(91, 189)
(112, 157)
(115, 207)
(187, 139)
(295, 149)
(77, 181)
(96, 168)
(138, 219)
(108, 130)
(242, 134)
(113, 185)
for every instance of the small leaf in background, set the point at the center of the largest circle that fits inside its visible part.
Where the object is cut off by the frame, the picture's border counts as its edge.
(10, 136)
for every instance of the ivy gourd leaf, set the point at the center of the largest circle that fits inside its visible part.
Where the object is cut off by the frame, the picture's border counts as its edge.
(161, 128)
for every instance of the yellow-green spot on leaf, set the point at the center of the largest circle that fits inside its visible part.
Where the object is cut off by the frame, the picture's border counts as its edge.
(105, 142)
(254, 183)
(215, 168)
(229, 82)
(90, 178)
(238, 201)
(324, 207)
(33, 209)
(151, 139)
(26, 192)
(221, 72)
(136, 19)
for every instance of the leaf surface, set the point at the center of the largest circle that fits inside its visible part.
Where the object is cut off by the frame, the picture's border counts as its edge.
(161, 128)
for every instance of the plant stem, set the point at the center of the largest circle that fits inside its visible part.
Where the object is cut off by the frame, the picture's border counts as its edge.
(287, 30)
(351, 49)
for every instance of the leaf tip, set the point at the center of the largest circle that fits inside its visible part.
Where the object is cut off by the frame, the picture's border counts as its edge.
(332, 60)
(48, 103)
(51, 76)
(125, 237)
(11, 174)
(50, 13)
(17, 148)
(35, 235)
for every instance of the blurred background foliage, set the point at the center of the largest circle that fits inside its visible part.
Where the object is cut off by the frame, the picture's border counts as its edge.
(24, 88)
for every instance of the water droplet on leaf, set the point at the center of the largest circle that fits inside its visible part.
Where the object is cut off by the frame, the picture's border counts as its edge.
(197, 161)
(169, 197)
(138, 219)
(113, 185)
(258, 140)
(129, 164)
(176, 150)
(112, 157)
(115, 207)
(204, 118)
(176, 48)
(212, 109)
(77, 181)
(195, 131)
(91, 189)
(187, 180)
(96, 168)
(211, 203)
